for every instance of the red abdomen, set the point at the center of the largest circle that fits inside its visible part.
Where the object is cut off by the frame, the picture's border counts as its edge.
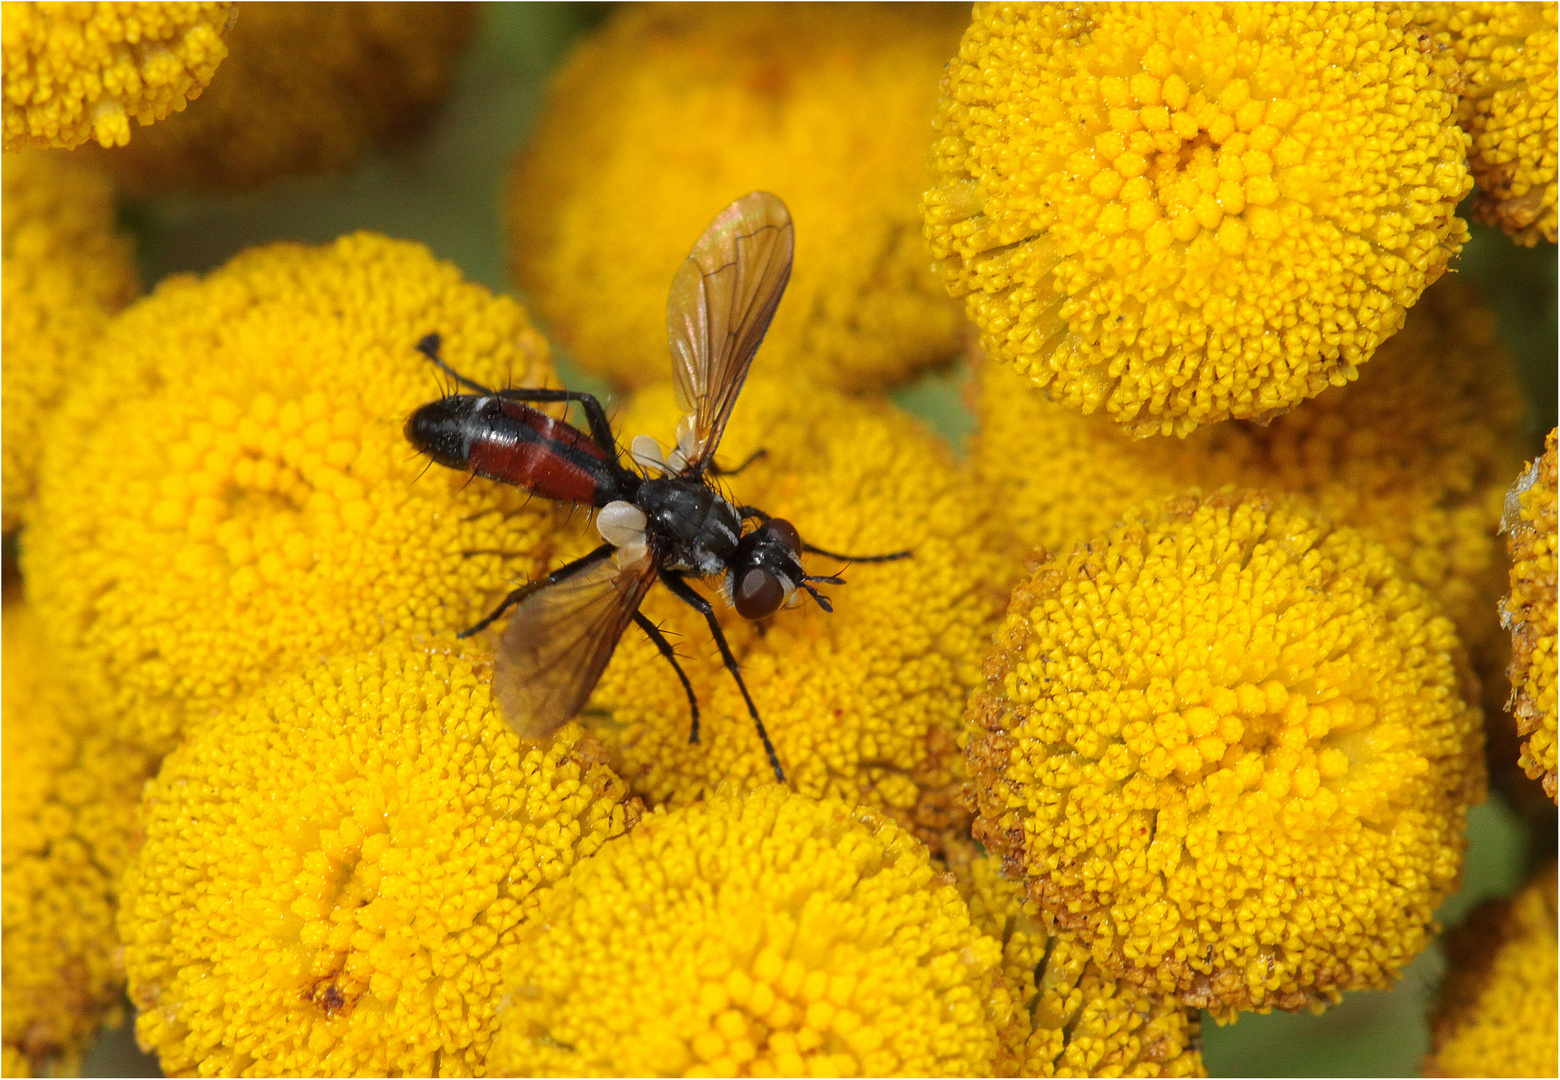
(514, 443)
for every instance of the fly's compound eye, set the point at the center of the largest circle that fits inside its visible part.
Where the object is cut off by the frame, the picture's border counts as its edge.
(759, 594)
(787, 534)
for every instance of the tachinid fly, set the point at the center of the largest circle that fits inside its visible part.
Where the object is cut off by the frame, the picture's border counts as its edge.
(666, 519)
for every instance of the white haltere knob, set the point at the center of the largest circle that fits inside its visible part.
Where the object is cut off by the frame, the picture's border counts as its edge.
(647, 452)
(621, 524)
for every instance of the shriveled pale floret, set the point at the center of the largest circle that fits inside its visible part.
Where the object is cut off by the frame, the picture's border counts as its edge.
(336, 870)
(70, 794)
(1230, 746)
(773, 935)
(307, 88)
(64, 269)
(227, 493)
(862, 704)
(1498, 1004)
(669, 112)
(1529, 610)
(1179, 213)
(74, 72)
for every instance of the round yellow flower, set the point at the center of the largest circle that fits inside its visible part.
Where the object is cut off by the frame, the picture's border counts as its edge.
(1507, 55)
(1229, 747)
(1498, 1003)
(1181, 213)
(862, 704)
(75, 72)
(1531, 522)
(64, 269)
(227, 492)
(669, 112)
(336, 869)
(768, 936)
(308, 88)
(70, 794)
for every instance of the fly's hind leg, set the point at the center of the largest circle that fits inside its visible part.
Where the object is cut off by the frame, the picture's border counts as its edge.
(564, 572)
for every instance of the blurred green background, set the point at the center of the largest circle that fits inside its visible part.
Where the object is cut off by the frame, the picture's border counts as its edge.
(444, 190)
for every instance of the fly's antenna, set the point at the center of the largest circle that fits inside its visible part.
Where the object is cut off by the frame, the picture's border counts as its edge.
(823, 601)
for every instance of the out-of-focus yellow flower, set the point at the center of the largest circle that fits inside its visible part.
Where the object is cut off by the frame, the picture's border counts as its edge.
(335, 870)
(1498, 1003)
(309, 88)
(1229, 746)
(1506, 54)
(670, 112)
(75, 72)
(862, 704)
(1182, 213)
(63, 269)
(1070, 1019)
(227, 492)
(1529, 610)
(70, 794)
(771, 935)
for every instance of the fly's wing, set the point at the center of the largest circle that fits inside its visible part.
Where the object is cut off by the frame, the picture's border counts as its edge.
(721, 302)
(559, 640)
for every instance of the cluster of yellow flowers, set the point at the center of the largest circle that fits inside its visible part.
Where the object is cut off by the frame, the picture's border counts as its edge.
(1532, 522)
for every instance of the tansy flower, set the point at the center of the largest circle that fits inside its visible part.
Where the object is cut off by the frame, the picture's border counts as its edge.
(1069, 1018)
(769, 936)
(308, 88)
(1506, 54)
(226, 493)
(862, 704)
(70, 794)
(63, 270)
(1498, 1004)
(669, 112)
(1181, 213)
(335, 870)
(1228, 746)
(1529, 610)
(75, 72)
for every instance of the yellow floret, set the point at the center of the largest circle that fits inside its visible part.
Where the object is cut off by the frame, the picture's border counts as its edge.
(70, 794)
(1181, 213)
(1529, 610)
(336, 870)
(1230, 747)
(862, 704)
(75, 72)
(308, 88)
(1506, 53)
(1070, 1019)
(769, 936)
(671, 111)
(227, 492)
(63, 270)
(1498, 1003)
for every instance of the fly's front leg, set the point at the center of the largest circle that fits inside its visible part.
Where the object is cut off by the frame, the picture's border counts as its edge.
(655, 635)
(716, 470)
(564, 572)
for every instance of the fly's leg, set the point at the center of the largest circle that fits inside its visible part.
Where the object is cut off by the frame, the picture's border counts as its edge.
(684, 592)
(855, 558)
(715, 470)
(655, 635)
(567, 570)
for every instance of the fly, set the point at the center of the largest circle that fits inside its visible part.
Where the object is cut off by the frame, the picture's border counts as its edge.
(664, 519)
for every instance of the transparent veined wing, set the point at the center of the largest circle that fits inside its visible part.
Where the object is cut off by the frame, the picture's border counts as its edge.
(720, 305)
(560, 638)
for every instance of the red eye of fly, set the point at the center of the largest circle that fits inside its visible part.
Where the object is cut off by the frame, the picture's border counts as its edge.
(759, 594)
(786, 532)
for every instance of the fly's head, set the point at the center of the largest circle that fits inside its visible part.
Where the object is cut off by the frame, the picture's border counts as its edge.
(767, 571)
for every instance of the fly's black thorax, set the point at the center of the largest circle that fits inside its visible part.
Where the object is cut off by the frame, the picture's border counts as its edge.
(693, 528)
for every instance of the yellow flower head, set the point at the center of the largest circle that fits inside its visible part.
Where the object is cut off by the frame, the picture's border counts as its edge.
(671, 111)
(309, 88)
(63, 269)
(862, 704)
(1506, 53)
(1498, 1003)
(227, 492)
(772, 935)
(336, 869)
(70, 794)
(1070, 1019)
(1416, 454)
(75, 72)
(1531, 522)
(1182, 213)
(1228, 746)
